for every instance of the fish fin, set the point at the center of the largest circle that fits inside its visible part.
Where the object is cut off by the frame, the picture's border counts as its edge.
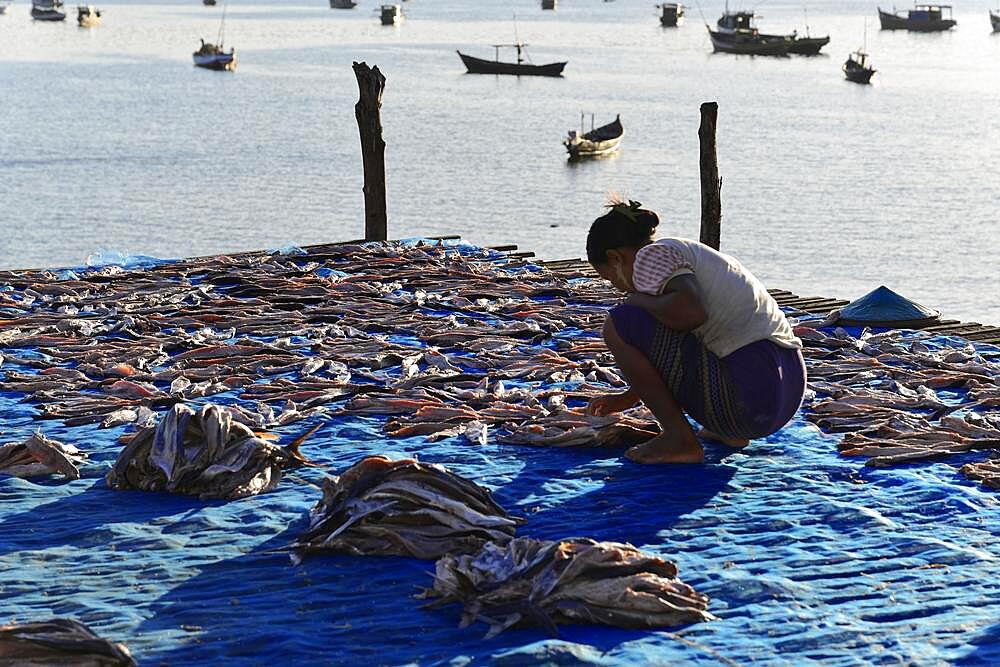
(292, 448)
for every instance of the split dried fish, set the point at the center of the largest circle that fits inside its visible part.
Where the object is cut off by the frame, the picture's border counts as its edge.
(384, 507)
(59, 641)
(38, 456)
(576, 580)
(204, 453)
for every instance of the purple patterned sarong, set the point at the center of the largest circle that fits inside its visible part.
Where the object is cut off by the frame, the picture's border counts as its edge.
(750, 393)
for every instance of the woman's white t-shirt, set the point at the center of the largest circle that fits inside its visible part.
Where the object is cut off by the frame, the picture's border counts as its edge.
(739, 309)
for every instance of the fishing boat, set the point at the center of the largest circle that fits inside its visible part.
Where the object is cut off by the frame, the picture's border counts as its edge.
(47, 10)
(603, 140)
(208, 3)
(87, 16)
(737, 33)
(520, 68)
(857, 68)
(343, 4)
(214, 56)
(391, 14)
(548, 4)
(670, 14)
(743, 23)
(995, 20)
(922, 18)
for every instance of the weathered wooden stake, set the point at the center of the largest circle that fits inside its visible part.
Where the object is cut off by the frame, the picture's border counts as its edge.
(711, 184)
(371, 84)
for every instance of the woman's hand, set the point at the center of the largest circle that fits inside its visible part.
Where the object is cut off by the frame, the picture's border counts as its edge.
(609, 404)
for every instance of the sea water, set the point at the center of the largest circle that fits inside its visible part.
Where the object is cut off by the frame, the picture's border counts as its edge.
(112, 142)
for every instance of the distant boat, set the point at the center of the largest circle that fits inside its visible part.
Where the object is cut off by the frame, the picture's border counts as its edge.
(548, 4)
(520, 68)
(4, 6)
(670, 14)
(747, 38)
(857, 68)
(87, 16)
(922, 18)
(995, 21)
(214, 56)
(343, 4)
(391, 14)
(601, 141)
(47, 10)
(208, 3)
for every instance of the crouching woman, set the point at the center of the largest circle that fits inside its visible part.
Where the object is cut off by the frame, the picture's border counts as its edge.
(697, 334)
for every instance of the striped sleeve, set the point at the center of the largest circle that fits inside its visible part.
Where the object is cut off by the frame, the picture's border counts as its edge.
(656, 265)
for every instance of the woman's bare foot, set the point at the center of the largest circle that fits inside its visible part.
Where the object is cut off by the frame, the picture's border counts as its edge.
(668, 448)
(737, 443)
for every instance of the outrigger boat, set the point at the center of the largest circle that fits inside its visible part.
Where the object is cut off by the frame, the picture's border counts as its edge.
(520, 68)
(922, 18)
(87, 16)
(598, 142)
(47, 10)
(670, 14)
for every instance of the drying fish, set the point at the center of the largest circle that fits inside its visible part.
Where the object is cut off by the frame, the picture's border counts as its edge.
(59, 641)
(203, 453)
(385, 507)
(38, 456)
(576, 580)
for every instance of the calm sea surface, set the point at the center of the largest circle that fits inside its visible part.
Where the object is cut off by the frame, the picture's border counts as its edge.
(111, 139)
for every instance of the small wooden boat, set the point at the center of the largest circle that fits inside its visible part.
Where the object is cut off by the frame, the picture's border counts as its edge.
(857, 68)
(343, 4)
(670, 14)
(548, 4)
(215, 57)
(922, 18)
(391, 14)
(520, 68)
(600, 141)
(47, 10)
(995, 21)
(87, 16)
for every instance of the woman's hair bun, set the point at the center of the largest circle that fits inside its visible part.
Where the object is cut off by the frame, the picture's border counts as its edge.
(626, 225)
(631, 211)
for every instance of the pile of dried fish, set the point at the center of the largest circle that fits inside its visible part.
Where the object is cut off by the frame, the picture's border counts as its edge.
(59, 641)
(882, 392)
(987, 472)
(385, 507)
(38, 456)
(203, 453)
(575, 580)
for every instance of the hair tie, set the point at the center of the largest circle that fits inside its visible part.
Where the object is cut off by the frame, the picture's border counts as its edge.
(630, 210)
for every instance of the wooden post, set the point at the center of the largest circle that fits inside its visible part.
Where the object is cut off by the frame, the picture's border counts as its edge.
(711, 184)
(371, 84)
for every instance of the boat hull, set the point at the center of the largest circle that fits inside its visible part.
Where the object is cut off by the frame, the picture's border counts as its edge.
(220, 62)
(808, 46)
(47, 15)
(861, 75)
(747, 45)
(890, 21)
(480, 66)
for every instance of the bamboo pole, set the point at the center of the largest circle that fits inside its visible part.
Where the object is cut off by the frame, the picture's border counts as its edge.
(711, 184)
(371, 84)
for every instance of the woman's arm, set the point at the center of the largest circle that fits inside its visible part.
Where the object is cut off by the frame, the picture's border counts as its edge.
(679, 307)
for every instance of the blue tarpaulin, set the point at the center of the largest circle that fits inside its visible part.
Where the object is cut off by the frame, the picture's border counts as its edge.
(804, 554)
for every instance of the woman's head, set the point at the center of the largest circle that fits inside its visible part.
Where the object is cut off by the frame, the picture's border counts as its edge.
(616, 236)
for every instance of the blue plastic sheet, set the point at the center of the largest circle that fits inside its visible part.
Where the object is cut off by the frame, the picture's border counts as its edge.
(805, 555)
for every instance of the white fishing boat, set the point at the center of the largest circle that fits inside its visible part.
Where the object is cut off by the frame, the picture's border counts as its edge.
(47, 10)
(214, 56)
